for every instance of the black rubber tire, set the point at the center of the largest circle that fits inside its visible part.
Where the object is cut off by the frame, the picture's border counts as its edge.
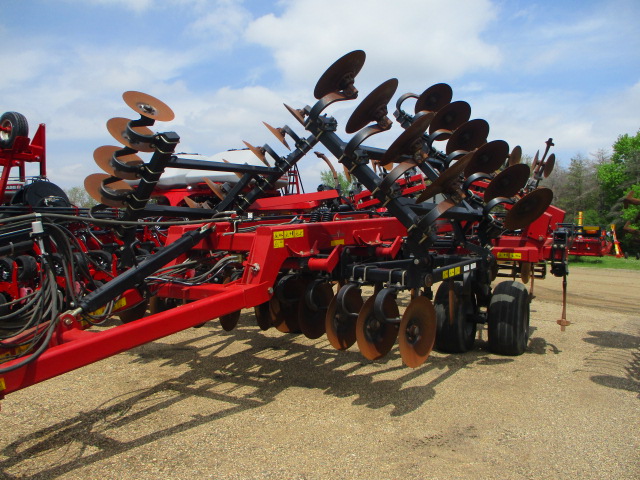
(18, 127)
(508, 319)
(27, 267)
(459, 336)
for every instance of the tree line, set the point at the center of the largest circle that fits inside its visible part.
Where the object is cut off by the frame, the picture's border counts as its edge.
(597, 186)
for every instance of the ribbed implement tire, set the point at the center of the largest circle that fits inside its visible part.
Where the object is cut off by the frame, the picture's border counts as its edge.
(508, 319)
(459, 336)
(14, 125)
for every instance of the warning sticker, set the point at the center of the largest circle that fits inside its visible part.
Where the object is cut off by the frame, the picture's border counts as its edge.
(510, 255)
(280, 236)
(452, 272)
(3, 386)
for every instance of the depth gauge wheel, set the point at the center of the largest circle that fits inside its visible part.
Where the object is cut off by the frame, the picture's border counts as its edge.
(12, 125)
(508, 319)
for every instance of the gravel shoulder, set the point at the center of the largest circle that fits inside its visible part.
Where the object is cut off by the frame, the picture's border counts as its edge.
(205, 403)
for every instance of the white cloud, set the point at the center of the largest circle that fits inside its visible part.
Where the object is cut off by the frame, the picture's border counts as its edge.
(426, 40)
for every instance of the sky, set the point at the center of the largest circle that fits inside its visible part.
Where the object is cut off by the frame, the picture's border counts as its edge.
(569, 70)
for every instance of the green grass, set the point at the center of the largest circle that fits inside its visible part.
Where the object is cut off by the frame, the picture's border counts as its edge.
(605, 262)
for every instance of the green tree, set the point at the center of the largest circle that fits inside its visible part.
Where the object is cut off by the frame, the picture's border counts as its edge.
(327, 179)
(580, 192)
(79, 197)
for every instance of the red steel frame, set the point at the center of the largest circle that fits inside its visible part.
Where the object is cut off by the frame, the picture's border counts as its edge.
(269, 249)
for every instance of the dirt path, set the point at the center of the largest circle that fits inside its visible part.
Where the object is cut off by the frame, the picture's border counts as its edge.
(209, 404)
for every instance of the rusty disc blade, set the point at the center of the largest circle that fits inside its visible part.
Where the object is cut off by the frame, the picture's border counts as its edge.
(340, 323)
(117, 127)
(148, 106)
(515, 156)
(528, 208)
(237, 174)
(373, 108)
(536, 160)
(548, 165)
(469, 136)
(446, 179)
(347, 173)
(191, 203)
(376, 338)
(263, 316)
(508, 182)
(229, 322)
(450, 117)
(296, 113)
(103, 155)
(417, 331)
(284, 303)
(312, 309)
(340, 75)
(408, 141)
(215, 188)
(134, 313)
(257, 152)
(488, 158)
(525, 272)
(278, 134)
(93, 184)
(434, 98)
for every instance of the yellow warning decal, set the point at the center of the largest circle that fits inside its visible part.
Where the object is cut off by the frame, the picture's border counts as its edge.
(279, 236)
(339, 241)
(119, 304)
(510, 255)
(3, 385)
(452, 272)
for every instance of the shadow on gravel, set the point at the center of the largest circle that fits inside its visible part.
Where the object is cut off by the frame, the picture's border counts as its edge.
(219, 384)
(617, 360)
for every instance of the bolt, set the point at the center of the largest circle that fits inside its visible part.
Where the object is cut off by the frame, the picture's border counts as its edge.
(68, 322)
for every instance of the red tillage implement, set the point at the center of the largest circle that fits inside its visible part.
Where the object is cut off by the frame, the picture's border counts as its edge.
(431, 221)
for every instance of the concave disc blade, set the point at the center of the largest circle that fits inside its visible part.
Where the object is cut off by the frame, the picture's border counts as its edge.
(417, 333)
(215, 188)
(117, 127)
(528, 208)
(340, 325)
(508, 182)
(515, 156)
(450, 117)
(278, 134)
(229, 322)
(469, 136)
(548, 165)
(446, 179)
(285, 302)
(340, 75)
(434, 98)
(373, 108)
(257, 152)
(312, 309)
(103, 155)
(525, 272)
(263, 316)
(148, 106)
(406, 141)
(488, 158)
(93, 184)
(375, 338)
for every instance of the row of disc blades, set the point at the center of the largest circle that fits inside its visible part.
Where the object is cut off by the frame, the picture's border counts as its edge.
(122, 162)
(309, 306)
(437, 118)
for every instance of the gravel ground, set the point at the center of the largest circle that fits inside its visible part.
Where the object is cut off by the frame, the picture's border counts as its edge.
(251, 405)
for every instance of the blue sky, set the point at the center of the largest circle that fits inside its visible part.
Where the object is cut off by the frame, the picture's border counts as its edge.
(537, 69)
